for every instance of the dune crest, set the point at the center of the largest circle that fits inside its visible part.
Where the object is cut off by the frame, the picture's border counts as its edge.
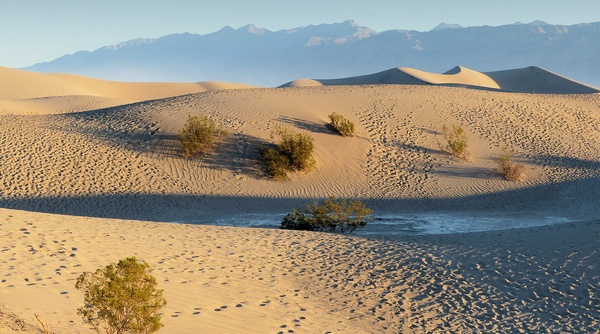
(457, 76)
(525, 80)
(538, 80)
(24, 92)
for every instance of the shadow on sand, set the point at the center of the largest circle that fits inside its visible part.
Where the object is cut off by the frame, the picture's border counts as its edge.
(575, 199)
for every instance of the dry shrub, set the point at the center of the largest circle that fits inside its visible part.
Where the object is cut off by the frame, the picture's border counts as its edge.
(121, 298)
(293, 153)
(276, 164)
(11, 322)
(334, 215)
(200, 134)
(507, 168)
(44, 325)
(456, 141)
(342, 125)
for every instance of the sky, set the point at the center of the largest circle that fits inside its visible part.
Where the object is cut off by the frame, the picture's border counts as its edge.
(34, 31)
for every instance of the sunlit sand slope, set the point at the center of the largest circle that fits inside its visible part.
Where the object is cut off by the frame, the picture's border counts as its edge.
(103, 162)
(23, 92)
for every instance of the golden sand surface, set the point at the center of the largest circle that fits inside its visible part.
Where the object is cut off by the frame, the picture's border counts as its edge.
(92, 172)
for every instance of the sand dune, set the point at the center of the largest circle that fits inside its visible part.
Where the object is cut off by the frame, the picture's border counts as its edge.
(110, 164)
(538, 80)
(83, 159)
(526, 80)
(23, 92)
(393, 76)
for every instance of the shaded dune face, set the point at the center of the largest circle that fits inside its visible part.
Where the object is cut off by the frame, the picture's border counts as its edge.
(525, 80)
(98, 162)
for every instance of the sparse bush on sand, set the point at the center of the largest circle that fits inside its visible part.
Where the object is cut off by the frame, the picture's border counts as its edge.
(334, 215)
(276, 164)
(293, 153)
(200, 134)
(342, 125)
(456, 141)
(507, 168)
(121, 298)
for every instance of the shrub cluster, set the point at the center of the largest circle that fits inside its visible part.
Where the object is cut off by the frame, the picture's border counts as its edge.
(342, 125)
(334, 215)
(200, 134)
(456, 140)
(293, 153)
(507, 168)
(121, 298)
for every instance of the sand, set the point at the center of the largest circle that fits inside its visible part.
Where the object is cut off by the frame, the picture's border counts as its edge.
(23, 92)
(530, 79)
(87, 175)
(232, 280)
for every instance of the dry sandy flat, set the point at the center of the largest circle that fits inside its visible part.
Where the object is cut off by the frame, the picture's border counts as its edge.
(88, 155)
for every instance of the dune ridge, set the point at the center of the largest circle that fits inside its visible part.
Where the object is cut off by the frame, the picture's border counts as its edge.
(525, 80)
(24, 92)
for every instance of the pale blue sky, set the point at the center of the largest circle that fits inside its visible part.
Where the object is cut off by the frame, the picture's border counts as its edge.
(34, 31)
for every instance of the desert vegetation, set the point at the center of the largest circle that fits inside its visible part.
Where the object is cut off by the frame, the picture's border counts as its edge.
(293, 152)
(342, 125)
(333, 215)
(509, 169)
(199, 135)
(121, 298)
(456, 141)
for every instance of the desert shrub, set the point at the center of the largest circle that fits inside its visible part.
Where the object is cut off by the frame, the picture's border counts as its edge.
(342, 125)
(293, 153)
(200, 134)
(456, 141)
(276, 164)
(507, 168)
(297, 147)
(297, 220)
(121, 298)
(334, 215)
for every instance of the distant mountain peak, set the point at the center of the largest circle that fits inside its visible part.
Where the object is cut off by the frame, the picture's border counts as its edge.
(351, 23)
(445, 25)
(251, 28)
(538, 23)
(130, 43)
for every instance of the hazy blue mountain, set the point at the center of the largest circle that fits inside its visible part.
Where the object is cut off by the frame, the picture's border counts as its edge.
(445, 25)
(258, 56)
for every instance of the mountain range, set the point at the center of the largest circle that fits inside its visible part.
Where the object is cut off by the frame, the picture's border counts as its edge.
(257, 56)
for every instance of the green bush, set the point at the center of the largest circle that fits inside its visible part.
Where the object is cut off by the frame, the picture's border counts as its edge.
(276, 164)
(293, 153)
(297, 147)
(200, 135)
(507, 168)
(456, 140)
(342, 125)
(121, 298)
(334, 215)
